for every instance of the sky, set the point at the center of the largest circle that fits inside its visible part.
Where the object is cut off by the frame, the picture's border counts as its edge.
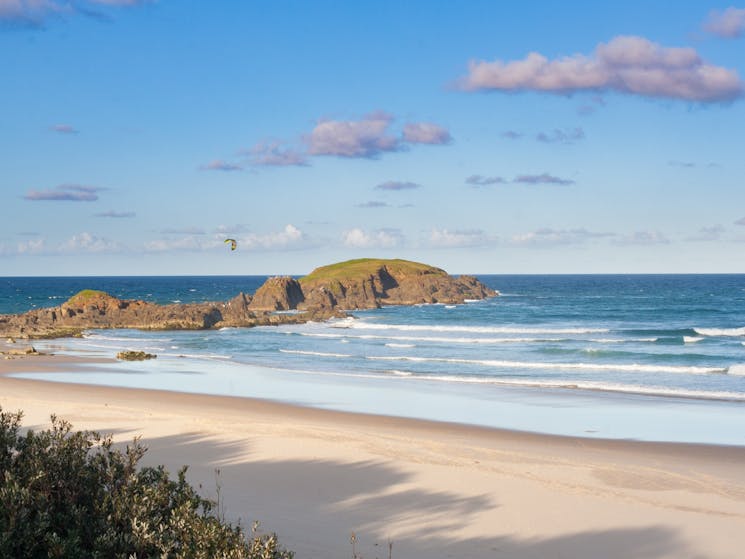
(478, 136)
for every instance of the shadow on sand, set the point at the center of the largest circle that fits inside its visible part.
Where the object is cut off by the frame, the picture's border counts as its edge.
(315, 505)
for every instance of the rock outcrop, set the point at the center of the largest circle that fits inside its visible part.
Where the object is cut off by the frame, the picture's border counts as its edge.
(371, 283)
(326, 292)
(277, 294)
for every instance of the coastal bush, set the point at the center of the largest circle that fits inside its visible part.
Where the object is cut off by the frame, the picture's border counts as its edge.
(66, 493)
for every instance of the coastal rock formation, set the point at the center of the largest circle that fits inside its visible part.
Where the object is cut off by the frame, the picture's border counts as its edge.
(371, 283)
(277, 294)
(326, 292)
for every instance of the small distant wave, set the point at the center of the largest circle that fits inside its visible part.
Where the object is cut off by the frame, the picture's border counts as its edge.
(209, 356)
(315, 353)
(633, 367)
(470, 329)
(720, 331)
(107, 337)
(692, 339)
(737, 370)
(579, 385)
(621, 340)
(430, 339)
(450, 306)
(400, 345)
(399, 373)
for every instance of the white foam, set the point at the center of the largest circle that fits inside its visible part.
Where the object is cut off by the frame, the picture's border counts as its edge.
(315, 353)
(634, 367)
(432, 339)
(737, 370)
(720, 331)
(692, 339)
(470, 329)
(400, 345)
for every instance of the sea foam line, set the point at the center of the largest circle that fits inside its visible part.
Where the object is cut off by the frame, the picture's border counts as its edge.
(315, 353)
(720, 331)
(575, 385)
(561, 366)
(435, 339)
(471, 329)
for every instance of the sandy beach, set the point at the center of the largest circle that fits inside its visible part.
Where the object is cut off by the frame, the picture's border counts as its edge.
(433, 489)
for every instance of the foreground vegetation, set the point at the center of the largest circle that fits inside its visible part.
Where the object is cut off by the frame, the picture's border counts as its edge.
(66, 493)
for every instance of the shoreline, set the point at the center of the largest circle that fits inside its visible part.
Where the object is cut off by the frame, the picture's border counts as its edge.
(434, 489)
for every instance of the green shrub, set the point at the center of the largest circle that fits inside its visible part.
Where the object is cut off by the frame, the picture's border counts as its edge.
(67, 493)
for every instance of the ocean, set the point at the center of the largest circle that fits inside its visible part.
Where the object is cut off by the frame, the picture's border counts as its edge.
(647, 357)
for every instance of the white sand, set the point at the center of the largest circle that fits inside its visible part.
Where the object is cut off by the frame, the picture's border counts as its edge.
(435, 490)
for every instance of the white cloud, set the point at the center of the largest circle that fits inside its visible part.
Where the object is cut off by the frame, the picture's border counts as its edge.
(480, 180)
(445, 238)
(32, 246)
(397, 185)
(220, 165)
(273, 153)
(380, 238)
(552, 237)
(34, 13)
(87, 242)
(288, 237)
(66, 193)
(626, 64)
(426, 133)
(643, 238)
(368, 137)
(713, 233)
(556, 136)
(728, 24)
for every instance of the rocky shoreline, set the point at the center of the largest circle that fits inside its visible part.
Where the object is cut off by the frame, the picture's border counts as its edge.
(327, 292)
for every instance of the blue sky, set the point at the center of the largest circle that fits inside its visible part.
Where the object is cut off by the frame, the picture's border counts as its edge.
(482, 137)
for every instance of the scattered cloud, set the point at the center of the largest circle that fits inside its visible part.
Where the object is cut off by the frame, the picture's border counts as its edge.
(553, 237)
(687, 164)
(368, 137)
(398, 185)
(544, 178)
(231, 229)
(445, 238)
(115, 214)
(273, 153)
(511, 135)
(713, 233)
(66, 192)
(220, 165)
(34, 13)
(426, 133)
(643, 238)
(728, 24)
(183, 231)
(479, 180)
(288, 238)
(371, 136)
(588, 108)
(740, 221)
(32, 246)
(626, 64)
(87, 242)
(556, 136)
(188, 243)
(373, 204)
(61, 128)
(380, 238)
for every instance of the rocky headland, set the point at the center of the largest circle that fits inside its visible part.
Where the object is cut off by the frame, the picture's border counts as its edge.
(326, 292)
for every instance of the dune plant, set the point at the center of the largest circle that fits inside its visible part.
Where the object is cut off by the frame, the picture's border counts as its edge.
(66, 493)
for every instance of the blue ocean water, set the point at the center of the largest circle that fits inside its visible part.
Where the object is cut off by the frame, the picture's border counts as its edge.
(618, 356)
